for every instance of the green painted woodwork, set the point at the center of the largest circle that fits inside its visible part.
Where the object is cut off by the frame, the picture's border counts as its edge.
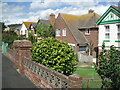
(104, 15)
(117, 40)
(110, 21)
(106, 40)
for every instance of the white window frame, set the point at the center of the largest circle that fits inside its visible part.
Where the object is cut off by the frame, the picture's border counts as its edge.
(86, 31)
(107, 32)
(57, 31)
(73, 45)
(64, 32)
(82, 46)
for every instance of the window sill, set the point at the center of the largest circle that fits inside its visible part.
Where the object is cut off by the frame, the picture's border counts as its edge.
(57, 35)
(117, 40)
(106, 40)
(87, 34)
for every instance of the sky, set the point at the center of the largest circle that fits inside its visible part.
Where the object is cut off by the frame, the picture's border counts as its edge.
(17, 11)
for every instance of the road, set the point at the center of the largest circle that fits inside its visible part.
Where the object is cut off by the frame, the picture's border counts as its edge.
(11, 78)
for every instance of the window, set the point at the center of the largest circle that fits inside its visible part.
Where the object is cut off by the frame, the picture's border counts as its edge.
(118, 34)
(82, 48)
(118, 28)
(107, 32)
(25, 31)
(58, 32)
(21, 32)
(87, 31)
(64, 32)
(73, 46)
(107, 29)
(107, 36)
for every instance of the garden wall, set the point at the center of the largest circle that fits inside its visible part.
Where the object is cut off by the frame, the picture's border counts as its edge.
(41, 76)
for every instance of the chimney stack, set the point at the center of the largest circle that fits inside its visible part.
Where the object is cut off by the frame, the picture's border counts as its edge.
(52, 18)
(18, 32)
(90, 11)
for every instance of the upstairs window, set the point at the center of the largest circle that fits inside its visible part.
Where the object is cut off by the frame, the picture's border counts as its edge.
(64, 32)
(58, 32)
(107, 32)
(118, 28)
(87, 31)
(118, 34)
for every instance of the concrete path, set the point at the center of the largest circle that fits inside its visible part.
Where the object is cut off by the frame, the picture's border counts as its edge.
(11, 78)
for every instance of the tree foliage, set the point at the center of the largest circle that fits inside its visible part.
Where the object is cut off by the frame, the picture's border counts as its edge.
(109, 68)
(31, 37)
(45, 31)
(55, 55)
(90, 48)
(9, 36)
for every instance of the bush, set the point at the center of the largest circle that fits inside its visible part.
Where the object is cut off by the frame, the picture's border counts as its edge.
(109, 69)
(55, 55)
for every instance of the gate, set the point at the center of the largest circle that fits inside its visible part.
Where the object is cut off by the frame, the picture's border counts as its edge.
(4, 45)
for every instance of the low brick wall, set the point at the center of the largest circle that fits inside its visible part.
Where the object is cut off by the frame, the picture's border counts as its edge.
(10, 54)
(44, 77)
(41, 76)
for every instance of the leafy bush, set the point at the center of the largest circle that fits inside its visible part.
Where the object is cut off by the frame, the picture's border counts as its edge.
(45, 31)
(31, 37)
(55, 55)
(109, 69)
(9, 36)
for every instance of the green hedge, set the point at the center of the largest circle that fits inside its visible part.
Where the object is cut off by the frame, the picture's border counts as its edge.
(55, 55)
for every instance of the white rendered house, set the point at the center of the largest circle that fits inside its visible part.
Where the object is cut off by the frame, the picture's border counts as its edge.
(109, 28)
(25, 27)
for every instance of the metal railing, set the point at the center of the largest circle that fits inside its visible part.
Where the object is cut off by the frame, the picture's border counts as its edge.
(93, 71)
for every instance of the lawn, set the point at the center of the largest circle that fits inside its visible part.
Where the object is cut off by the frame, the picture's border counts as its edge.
(87, 72)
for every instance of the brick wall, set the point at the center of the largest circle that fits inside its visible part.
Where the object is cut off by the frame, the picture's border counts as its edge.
(60, 24)
(41, 76)
(94, 38)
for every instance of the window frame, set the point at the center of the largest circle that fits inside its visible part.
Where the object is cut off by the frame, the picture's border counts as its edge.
(64, 32)
(107, 32)
(82, 50)
(86, 32)
(56, 32)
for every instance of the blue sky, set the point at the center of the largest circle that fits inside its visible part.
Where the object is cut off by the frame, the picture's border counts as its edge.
(17, 11)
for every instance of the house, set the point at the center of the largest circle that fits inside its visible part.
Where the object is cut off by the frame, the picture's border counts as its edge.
(109, 28)
(26, 26)
(77, 30)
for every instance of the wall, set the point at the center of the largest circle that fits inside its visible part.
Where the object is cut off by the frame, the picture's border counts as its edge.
(60, 24)
(41, 76)
(23, 28)
(113, 36)
(84, 58)
(94, 38)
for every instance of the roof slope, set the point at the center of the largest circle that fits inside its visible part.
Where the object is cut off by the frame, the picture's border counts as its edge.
(76, 22)
(27, 24)
(47, 22)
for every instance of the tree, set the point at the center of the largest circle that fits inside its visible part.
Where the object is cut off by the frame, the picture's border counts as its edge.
(90, 48)
(9, 37)
(109, 68)
(45, 31)
(31, 37)
(56, 55)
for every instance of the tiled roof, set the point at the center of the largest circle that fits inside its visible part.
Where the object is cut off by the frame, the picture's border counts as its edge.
(27, 24)
(117, 8)
(76, 22)
(47, 22)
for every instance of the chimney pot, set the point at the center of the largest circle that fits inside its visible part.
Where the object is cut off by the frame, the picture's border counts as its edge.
(90, 11)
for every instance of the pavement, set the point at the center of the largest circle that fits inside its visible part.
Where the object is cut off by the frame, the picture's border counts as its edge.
(12, 79)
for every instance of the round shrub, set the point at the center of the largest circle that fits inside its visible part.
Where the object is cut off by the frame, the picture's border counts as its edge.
(56, 55)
